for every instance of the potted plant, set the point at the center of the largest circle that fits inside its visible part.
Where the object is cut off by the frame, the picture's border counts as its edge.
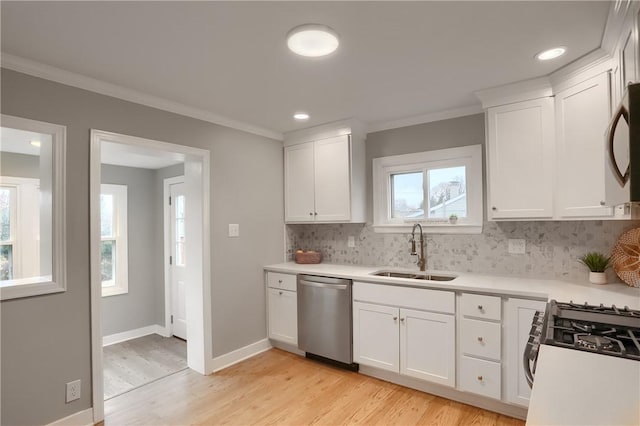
(597, 264)
(453, 218)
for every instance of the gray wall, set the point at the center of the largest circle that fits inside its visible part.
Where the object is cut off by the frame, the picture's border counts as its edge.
(46, 339)
(139, 307)
(19, 165)
(553, 247)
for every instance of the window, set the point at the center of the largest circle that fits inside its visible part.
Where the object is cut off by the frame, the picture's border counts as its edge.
(440, 189)
(113, 234)
(8, 209)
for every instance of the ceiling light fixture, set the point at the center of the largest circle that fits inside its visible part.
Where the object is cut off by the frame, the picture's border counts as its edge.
(312, 40)
(551, 53)
(301, 116)
(35, 143)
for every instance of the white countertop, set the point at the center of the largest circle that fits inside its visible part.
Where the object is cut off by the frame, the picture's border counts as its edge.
(617, 294)
(573, 387)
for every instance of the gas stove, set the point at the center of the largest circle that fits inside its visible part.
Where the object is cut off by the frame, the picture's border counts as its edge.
(607, 330)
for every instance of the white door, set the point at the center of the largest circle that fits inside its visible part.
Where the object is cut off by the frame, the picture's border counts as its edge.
(283, 315)
(332, 179)
(428, 346)
(376, 336)
(299, 185)
(582, 117)
(177, 261)
(519, 315)
(520, 141)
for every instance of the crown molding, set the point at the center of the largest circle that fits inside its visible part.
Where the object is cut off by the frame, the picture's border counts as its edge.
(425, 118)
(48, 72)
(515, 92)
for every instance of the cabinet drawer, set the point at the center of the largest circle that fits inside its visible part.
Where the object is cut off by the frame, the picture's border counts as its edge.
(479, 306)
(406, 297)
(480, 338)
(479, 376)
(283, 281)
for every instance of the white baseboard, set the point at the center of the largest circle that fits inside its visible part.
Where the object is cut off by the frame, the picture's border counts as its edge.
(227, 360)
(81, 418)
(134, 334)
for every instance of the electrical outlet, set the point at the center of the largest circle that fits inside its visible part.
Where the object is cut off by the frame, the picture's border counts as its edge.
(351, 241)
(517, 246)
(234, 230)
(73, 390)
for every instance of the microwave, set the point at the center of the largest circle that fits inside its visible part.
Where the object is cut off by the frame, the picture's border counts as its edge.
(622, 183)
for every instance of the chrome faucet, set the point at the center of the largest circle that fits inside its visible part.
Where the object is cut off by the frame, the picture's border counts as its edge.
(422, 261)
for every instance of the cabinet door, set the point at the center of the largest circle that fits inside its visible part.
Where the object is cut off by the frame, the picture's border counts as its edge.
(299, 183)
(283, 316)
(376, 336)
(520, 160)
(519, 314)
(332, 179)
(582, 116)
(427, 346)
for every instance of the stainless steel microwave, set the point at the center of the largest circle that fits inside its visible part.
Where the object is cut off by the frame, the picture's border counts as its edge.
(623, 151)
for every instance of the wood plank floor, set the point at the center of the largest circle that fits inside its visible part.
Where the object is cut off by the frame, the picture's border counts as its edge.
(128, 365)
(279, 388)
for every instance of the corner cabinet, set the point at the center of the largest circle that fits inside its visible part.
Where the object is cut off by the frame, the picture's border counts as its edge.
(324, 177)
(520, 159)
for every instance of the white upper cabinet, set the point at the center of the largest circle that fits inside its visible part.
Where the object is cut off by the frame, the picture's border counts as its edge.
(520, 159)
(324, 174)
(582, 116)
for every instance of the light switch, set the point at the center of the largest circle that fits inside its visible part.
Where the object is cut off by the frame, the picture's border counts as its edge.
(351, 241)
(517, 246)
(234, 230)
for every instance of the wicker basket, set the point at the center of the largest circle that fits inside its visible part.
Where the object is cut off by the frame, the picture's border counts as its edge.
(308, 257)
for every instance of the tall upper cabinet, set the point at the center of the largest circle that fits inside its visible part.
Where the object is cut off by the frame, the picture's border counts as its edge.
(324, 174)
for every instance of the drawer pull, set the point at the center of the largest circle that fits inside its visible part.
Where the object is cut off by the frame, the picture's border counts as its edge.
(480, 339)
(279, 281)
(480, 308)
(479, 378)
(280, 293)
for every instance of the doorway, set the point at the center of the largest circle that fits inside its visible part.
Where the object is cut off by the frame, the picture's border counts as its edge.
(191, 241)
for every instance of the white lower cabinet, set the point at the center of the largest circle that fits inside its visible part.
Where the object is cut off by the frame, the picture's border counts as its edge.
(480, 376)
(413, 343)
(518, 317)
(282, 308)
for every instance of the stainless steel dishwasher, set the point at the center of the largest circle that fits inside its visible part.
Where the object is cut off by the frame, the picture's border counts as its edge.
(325, 329)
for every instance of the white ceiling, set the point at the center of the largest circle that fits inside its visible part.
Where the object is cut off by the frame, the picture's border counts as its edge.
(19, 141)
(396, 59)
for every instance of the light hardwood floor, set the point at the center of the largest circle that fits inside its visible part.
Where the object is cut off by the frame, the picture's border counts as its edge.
(128, 365)
(277, 387)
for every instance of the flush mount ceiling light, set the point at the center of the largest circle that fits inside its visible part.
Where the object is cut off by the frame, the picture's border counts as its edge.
(551, 53)
(312, 40)
(301, 116)
(35, 143)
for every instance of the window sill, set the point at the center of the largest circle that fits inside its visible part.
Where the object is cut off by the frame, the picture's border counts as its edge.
(26, 287)
(440, 228)
(113, 291)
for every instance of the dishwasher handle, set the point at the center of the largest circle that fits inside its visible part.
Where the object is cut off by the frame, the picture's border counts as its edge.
(323, 285)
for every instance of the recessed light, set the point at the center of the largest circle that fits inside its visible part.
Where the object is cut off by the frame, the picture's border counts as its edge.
(312, 40)
(551, 53)
(301, 116)
(35, 143)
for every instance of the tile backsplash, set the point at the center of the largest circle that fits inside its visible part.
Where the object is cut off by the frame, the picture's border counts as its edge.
(552, 248)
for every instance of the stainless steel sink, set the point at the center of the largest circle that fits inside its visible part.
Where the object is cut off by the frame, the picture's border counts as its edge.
(426, 277)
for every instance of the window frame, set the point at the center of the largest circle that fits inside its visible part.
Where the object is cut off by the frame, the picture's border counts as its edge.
(56, 282)
(119, 236)
(384, 167)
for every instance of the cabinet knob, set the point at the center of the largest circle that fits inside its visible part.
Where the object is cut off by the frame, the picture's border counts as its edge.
(480, 339)
(280, 293)
(602, 203)
(401, 319)
(310, 213)
(395, 318)
(494, 208)
(479, 378)
(279, 281)
(480, 308)
(315, 213)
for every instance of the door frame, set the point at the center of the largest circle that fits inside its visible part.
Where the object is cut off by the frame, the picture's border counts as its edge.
(198, 277)
(167, 182)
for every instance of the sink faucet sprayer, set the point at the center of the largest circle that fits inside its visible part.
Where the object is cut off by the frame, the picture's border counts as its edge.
(422, 261)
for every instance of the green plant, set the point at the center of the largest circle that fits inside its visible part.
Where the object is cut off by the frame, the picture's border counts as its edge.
(453, 216)
(596, 262)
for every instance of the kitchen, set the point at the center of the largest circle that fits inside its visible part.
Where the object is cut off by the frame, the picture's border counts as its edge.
(551, 246)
